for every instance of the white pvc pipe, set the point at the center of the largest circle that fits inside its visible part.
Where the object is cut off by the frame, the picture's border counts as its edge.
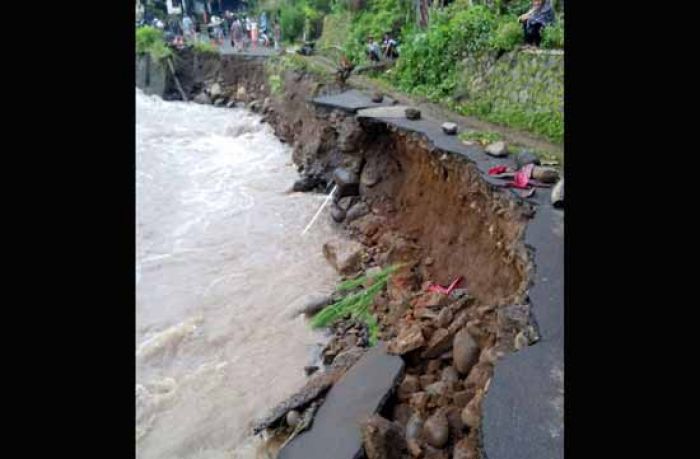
(318, 212)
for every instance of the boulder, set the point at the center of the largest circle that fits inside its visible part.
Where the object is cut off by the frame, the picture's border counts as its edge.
(215, 90)
(464, 449)
(440, 341)
(348, 182)
(558, 194)
(471, 414)
(408, 387)
(436, 429)
(438, 389)
(449, 374)
(449, 128)
(545, 174)
(444, 317)
(412, 113)
(526, 157)
(338, 214)
(414, 427)
(409, 339)
(202, 98)
(306, 183)
(465, 351)
(358, 210)
(344, 255)
(382, 439)
(498, 149)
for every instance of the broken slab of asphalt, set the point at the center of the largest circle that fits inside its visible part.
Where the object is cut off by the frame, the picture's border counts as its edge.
(351, 101)
(360, 393)
(523, 408)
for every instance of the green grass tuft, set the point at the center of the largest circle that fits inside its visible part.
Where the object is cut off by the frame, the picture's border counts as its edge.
(356, 304)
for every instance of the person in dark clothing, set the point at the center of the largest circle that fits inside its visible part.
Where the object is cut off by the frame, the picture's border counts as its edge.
(540, 15)
(389, 47)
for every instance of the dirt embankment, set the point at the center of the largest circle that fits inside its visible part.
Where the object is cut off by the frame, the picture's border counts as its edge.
(433, 212)
(427, 209)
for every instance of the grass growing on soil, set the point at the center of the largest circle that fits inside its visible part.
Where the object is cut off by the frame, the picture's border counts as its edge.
(204, 47)
(482, 137)
(356, 304)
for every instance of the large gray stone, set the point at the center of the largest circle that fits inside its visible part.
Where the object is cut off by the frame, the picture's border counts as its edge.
(449, 128)
(558, 194)
(361, 393)
(465, 351)
(526, 157)
(498, 149)
(348, 182)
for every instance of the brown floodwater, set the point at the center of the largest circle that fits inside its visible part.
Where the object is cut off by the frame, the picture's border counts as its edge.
(220, 267)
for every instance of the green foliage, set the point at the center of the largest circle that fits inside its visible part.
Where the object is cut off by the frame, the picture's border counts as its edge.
(553, 35)
(150, 40)
(376, 18)
(275, 82)
(297, 16)
(356, 304)
(146, 37)
(508, 35)
(516, 7)
(483, 137)
(429, 57)
(204, 47)
(548, 124)
(291, 20)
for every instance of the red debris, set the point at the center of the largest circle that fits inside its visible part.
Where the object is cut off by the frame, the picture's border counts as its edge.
(495, 170)
(522, 177)
(437, 288)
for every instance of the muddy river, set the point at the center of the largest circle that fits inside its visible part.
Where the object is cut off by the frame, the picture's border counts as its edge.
(220, 265)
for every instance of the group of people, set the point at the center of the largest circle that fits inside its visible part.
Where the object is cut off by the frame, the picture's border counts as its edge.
(242, 30)
(246, 31)
(387, 50)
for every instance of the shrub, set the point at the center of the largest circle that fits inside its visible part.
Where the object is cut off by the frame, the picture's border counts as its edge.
(379, 17)
(149, 40)
(146, 37)
(291, 21)
(204, 47)
(429, 58)
(553, 35)
(508, 35)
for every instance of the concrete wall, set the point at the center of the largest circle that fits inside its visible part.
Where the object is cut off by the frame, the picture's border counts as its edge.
(525, 85)
(151, 76)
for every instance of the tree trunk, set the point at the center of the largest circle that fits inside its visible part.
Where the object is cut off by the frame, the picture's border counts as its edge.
(422, 12)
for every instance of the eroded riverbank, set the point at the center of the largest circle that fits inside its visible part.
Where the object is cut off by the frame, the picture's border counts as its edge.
(431, 209)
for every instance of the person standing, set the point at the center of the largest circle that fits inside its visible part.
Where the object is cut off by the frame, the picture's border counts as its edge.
(263, 23)
(188, 28)
(254, 34)
(237, 34)
(278, 34)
